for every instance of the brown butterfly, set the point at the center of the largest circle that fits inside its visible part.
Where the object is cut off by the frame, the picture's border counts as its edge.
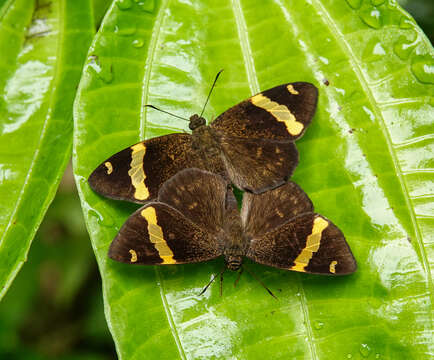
(196, 219)
(251, 145)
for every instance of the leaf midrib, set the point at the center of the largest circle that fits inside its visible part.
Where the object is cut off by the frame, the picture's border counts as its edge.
(156, 30)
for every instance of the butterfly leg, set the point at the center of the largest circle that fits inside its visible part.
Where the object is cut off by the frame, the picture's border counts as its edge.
(259, 281)
(239, 275)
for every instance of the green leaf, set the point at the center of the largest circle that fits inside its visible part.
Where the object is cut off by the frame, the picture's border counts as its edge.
(365, 161)
(43, 49)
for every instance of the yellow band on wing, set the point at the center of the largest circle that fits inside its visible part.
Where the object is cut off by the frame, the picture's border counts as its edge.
(156, 235)
(136, 172)
(312, 245)
(280, 112)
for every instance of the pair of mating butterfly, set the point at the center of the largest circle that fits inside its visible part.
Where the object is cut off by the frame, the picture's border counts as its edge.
(191, 214)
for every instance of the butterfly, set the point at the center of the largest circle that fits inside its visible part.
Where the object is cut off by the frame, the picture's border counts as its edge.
(251, 144)
(196, 218)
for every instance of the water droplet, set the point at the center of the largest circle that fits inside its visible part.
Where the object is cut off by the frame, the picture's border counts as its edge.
(125, 30)
(377, 2)
(124, 4)
(146, 5)
(138, 43)
(365, 350)
(423, 69)
(318, 325)
(371, 17)
(377, 356)
(405, 23)
(349, 356)
(103, 70)
(403, 48)
(354, 4)
(373, 50)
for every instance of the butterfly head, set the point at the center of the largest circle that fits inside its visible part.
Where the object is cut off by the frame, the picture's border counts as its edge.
(196, 121)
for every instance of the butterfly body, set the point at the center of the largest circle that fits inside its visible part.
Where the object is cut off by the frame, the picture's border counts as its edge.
(251, 144)
(196, 219)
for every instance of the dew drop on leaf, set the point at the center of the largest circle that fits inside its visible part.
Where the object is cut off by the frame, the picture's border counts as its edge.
(405, 23)
(365, 350)
(146, 5)
(403, 48)
(318, 325)
(103, 70)
(371, 17)
(124, 4)
(373, 50)
(354, 4)
(423, 69)
(138, 43)
(125, 30)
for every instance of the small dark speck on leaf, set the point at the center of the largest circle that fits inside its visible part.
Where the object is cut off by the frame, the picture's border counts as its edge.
(326, 82)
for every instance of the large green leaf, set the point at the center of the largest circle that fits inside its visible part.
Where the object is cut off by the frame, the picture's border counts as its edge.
(42, 48)
(365, 162)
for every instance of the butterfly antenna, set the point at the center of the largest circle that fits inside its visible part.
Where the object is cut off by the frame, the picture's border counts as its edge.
(212, 280)
(259, 281)
(212, 87)
(166, 112)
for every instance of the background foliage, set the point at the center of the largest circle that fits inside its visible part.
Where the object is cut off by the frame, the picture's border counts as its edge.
(61, 276)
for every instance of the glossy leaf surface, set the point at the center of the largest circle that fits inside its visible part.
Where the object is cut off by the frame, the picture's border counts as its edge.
(365, 163)
(43, 46)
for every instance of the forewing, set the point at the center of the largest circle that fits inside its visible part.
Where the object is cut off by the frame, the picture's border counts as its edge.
(137, 172)
(158, 234)
(280, 113)
(309, 243)
(257, 165)
(269, 210)
(199, 196)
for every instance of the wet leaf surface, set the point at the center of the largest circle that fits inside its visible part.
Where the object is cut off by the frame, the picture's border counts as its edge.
(43, 47)
(365, 163)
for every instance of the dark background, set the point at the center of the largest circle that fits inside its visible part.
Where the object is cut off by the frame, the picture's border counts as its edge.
(54, 308)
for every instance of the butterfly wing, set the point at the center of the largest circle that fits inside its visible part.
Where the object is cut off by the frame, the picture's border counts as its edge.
(271, 209)
(280, 113)
(137, 172)
(158, 234)
(183, 227)
(308, 243)
(199, 195)
(257, 165)
(285, 233)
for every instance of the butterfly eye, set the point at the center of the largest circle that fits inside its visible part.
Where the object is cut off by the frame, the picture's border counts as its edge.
(196, 121)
